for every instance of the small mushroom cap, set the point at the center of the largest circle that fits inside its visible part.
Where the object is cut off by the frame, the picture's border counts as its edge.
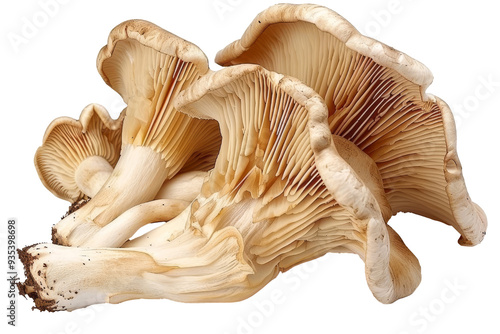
(67, 144)
(376, 99)
(281, 180)
(148, 66)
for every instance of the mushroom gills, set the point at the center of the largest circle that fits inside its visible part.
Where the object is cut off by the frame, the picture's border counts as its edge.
(376, 99)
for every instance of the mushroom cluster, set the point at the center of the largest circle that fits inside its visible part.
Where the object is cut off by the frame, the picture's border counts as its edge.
(307, 141)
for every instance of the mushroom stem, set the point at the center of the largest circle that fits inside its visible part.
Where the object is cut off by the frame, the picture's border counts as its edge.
(211, 268)
(136, 179)
(173, 197)
(124, 226)
(94, 171)
(91, 174)
(184, 187)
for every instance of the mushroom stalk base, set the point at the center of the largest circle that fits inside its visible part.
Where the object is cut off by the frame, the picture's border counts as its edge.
(136, 179)
(192, 268)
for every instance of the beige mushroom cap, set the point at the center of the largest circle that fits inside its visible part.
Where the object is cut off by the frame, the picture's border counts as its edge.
(376, 99)
(148, 66)
(304, 191)
(267, 24)
(87, 148)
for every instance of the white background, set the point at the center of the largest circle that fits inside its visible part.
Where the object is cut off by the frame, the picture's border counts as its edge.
(52, 73)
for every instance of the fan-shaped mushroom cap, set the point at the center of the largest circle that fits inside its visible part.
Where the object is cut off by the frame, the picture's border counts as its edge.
(283, 183)
(376, 99)
(77, 156)
(148, 67)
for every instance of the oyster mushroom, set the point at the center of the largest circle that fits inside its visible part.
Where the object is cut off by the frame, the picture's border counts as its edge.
(280, 194)
(309, 192)
(377, 99)
(77, 156)
(148, 67)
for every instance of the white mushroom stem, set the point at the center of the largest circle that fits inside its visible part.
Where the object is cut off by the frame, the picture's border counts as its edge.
(94, 171)
(183, 187)
(191, 268)
(91, 174)
(174, 196)
(136, 179)
(122, 228)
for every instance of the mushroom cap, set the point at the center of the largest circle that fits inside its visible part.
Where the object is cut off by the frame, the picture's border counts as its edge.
(152, 36)
(67, 143)
(281, 181)
(148, 67)
(327, 23)
(376, 99)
